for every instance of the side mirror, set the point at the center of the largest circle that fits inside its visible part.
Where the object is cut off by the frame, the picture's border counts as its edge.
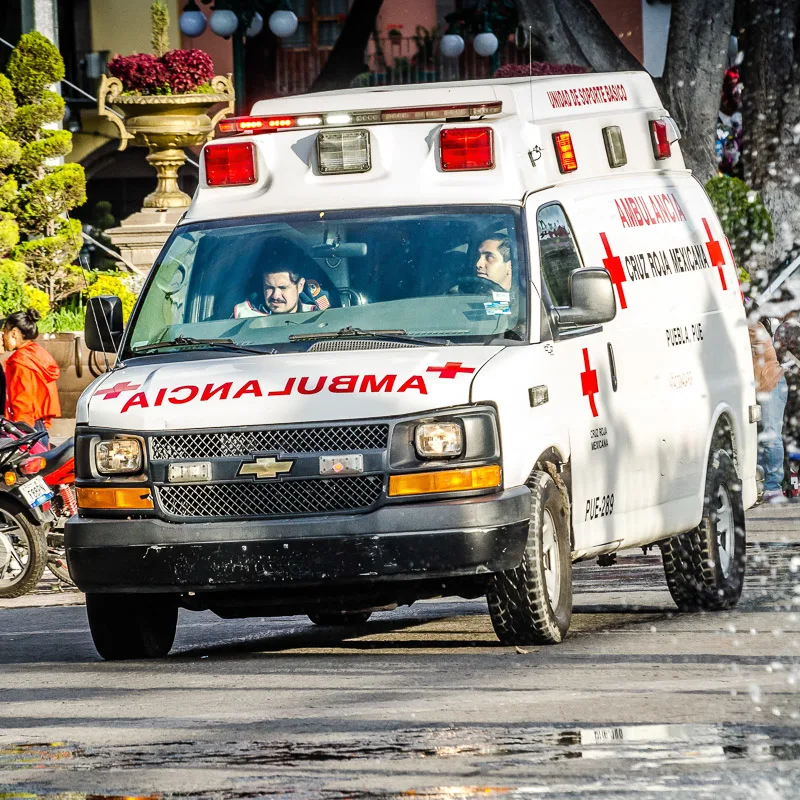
(103, 327)
(592, 295)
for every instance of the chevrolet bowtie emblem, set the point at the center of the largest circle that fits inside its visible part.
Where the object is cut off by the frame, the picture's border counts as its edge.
(265, 467)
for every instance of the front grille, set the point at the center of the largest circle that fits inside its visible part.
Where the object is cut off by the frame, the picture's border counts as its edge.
(279, 440)
(278, 499)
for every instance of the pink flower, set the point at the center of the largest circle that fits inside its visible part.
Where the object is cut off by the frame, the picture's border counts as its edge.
(140, 72)
(187, 69)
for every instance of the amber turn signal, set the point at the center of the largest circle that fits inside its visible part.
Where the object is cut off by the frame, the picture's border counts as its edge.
(109, 498)
(10, 478)
(448, 480)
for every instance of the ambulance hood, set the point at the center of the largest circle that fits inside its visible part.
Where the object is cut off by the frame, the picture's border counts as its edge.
(233, 391)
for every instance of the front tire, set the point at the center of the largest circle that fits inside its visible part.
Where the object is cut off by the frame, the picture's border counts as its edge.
(705, 566)
(128, 626)
(532, 604)
(23, 554)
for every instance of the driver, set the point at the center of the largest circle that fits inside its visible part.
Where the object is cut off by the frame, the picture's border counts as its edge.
(494, 260)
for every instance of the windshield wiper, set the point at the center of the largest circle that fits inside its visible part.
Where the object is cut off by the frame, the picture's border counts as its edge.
(399, 334)
(189, 341)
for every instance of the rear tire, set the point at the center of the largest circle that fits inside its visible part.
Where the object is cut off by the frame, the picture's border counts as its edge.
(27, 546)
(705, 566)
(127, 626)
(532, 604)
(329, 618)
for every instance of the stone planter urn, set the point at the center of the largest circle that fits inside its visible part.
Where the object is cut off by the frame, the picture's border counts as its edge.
(165, 124)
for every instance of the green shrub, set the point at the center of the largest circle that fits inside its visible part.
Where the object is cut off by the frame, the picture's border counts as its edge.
(12, 283)
(744, 218)
(64, 320)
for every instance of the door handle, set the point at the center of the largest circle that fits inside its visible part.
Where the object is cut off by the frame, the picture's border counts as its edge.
(613, 366)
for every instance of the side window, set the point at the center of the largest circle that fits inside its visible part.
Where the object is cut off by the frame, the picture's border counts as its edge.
(558, 252)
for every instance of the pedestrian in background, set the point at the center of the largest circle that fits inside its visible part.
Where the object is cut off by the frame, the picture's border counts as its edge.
(771, 392)
(31, 374)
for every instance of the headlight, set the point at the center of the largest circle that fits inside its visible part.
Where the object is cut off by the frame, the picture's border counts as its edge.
(118, 455)
(439, 440)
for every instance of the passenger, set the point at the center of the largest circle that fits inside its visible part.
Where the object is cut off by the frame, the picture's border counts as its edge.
(771, 393)
(494, 260)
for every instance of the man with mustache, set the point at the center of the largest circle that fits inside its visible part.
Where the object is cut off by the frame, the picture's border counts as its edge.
(284, 290)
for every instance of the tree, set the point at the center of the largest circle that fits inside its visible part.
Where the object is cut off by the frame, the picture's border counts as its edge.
(573, 32)
(346, 60)
(771, 109)
(45, 193)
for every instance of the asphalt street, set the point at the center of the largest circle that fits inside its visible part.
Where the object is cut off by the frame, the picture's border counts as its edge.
(640, 701)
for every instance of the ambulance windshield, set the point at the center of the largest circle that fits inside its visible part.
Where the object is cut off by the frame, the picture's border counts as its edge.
(450, 273)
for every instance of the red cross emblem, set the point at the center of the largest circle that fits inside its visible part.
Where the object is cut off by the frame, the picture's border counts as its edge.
(450, 369)
(614, 266)
(715, 253)
(116, 390)
(589, 382)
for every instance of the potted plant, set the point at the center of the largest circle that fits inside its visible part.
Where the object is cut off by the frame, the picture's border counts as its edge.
(162, 100)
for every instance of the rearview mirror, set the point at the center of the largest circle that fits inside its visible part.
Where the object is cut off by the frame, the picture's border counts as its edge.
(340, 250)
(103, 327)
(592, 295)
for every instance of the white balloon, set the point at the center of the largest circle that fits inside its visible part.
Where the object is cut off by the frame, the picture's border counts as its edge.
(224, 22)
(192, 23)
(486, 44)
(283, 23)
(256, 25)
(452, 45)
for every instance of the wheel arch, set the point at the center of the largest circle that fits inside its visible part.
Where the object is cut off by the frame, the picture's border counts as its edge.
(552, 461)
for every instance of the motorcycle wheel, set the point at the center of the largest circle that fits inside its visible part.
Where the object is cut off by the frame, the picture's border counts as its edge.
(57, 564)
(23, 554)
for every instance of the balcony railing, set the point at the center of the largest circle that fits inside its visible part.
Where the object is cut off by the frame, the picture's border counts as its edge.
(394, 61)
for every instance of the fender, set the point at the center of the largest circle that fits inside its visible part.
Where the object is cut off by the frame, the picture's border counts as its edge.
(12, 504)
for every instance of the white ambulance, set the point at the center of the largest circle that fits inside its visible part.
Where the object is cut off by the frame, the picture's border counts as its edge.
(421, 341)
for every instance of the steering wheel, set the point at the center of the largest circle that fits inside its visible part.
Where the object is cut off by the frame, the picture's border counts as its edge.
(476, 285)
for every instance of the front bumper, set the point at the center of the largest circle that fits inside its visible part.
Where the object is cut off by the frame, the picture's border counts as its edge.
(444, 539)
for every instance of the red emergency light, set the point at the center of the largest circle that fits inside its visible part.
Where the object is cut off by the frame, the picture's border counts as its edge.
(660, 137)
(463, 149)
(565, 152)
(256, 124)
(230, 164)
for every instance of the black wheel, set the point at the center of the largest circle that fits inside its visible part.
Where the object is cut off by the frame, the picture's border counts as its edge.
(23, 554)
(340, 617)
(532, 604)
(132, 625)
(705, 567)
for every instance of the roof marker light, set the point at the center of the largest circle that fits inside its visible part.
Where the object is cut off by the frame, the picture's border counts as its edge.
(567, 161)
(466, 149)
(615, 146)
(660, 137)
(230, 164)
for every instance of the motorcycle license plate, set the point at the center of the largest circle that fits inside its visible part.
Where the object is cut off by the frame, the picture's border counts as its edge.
(35, 491)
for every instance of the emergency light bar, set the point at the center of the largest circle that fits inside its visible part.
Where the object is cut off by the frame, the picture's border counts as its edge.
(341, 118)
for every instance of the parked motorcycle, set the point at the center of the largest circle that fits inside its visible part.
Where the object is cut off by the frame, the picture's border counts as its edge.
(58, 472)
(25, 512)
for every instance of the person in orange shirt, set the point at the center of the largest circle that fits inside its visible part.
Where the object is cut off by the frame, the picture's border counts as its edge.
(31, 374)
